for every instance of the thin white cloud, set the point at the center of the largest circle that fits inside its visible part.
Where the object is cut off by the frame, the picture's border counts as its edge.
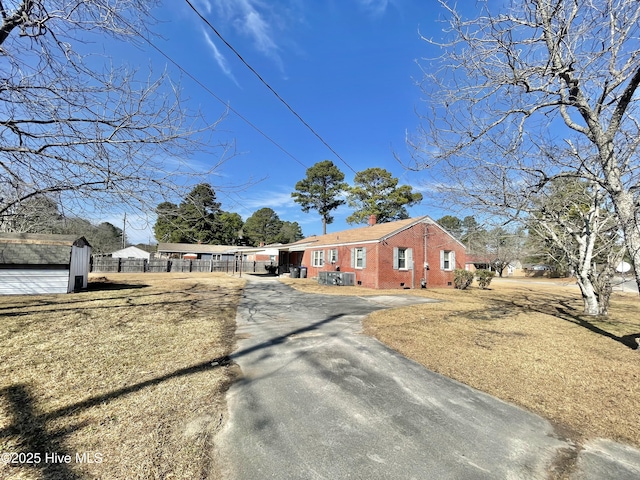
(376, 7)
(255, 20)
(205, 5)
(256, 27)
(220, 58)
(274, 200)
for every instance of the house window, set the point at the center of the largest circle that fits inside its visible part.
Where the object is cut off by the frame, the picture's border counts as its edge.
(359, 257)
(402, 258)
(333, 256)
(447, 260)
(318, 258)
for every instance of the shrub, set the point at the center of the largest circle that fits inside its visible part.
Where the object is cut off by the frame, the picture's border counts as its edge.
(484, 278)
(462, 279)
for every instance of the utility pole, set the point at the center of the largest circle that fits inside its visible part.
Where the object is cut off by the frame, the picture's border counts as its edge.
(124, 229)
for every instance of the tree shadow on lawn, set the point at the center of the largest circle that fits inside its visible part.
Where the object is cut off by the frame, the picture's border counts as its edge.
(564, 313)
(67, 302)
(29, 427)
(99, 285)
(562, 309)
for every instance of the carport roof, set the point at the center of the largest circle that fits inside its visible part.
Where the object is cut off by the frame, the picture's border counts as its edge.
(195, 248)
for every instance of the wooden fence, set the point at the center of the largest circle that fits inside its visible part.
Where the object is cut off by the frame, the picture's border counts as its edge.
(130, 265)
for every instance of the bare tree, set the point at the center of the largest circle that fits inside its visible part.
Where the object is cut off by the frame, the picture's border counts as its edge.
(504, 247)
(541, 90)
(571, 215)
(73, 126)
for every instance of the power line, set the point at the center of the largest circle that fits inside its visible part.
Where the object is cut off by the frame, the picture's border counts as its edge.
(210, 92)
(267, 85)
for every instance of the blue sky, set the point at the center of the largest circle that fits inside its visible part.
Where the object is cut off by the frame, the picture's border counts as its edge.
(347, 67)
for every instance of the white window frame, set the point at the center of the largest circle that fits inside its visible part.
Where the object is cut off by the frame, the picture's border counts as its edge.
(402, 259)
(317, 258)
(447, 256)
(333, 256)
(407, 257)
(359, 258)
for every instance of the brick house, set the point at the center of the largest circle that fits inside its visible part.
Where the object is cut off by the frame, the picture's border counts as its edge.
(402, 254)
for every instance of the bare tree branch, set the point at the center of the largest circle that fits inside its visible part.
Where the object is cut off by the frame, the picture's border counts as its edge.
(102, 137)
(542, 90)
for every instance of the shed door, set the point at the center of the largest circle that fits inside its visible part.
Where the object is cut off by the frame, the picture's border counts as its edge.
(33, 281)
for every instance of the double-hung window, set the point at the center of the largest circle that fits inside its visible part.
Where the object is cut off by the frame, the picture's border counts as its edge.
(447, 260)
(402, 258)
(333, 256)
(359, 257)
(317, 259)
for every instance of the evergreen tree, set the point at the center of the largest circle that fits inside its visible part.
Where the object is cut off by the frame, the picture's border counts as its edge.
(321, 190)
(290, 232)
(195, 220)
(263, 226)
(451, 224)
(376, 192)
(229, 226)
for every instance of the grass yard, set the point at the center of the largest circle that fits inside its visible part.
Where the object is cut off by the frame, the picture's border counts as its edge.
(527, 343)
(131, 374)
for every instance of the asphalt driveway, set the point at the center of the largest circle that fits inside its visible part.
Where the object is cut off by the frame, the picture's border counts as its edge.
(319, 400)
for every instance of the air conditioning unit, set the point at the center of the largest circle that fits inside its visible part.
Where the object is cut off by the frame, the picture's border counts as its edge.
(337, 278)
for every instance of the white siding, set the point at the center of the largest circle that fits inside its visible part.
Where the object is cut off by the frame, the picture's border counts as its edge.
(80, 257)
(131, 252)
(33, 281)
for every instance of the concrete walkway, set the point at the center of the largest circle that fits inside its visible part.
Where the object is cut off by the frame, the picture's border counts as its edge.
(319, 400)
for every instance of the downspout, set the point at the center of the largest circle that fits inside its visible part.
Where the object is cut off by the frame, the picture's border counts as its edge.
(413, 273)
(426, 263)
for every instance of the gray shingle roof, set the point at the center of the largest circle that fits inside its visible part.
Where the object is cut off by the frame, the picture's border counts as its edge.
(37, 249)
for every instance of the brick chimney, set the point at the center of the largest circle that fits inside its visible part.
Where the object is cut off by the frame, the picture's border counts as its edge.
(372, 220)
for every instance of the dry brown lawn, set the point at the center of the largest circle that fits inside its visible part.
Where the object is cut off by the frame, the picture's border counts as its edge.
(525, 342)
(131, 373)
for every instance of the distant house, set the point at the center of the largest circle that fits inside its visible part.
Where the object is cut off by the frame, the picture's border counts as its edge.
(478, 262)
(263, 253)
(131, 252)
(196, 251)
(485, 262)
(403, 254)
(42, 264)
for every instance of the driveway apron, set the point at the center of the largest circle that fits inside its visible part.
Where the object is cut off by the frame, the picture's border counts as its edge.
(317, 399)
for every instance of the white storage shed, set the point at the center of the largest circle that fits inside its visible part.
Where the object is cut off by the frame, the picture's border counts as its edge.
(43, 264)
(131, 252)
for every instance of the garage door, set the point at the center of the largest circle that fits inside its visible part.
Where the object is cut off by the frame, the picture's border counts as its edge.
(29, 282)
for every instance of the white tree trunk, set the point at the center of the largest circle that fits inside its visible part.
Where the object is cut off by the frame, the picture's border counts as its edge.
(626, 211)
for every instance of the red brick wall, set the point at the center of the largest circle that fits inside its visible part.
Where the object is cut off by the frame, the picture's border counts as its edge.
(366, 276)
(379, 271)
(412, 238)
(439, 240)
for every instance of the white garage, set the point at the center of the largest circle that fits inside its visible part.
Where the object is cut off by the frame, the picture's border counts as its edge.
(42, 264)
